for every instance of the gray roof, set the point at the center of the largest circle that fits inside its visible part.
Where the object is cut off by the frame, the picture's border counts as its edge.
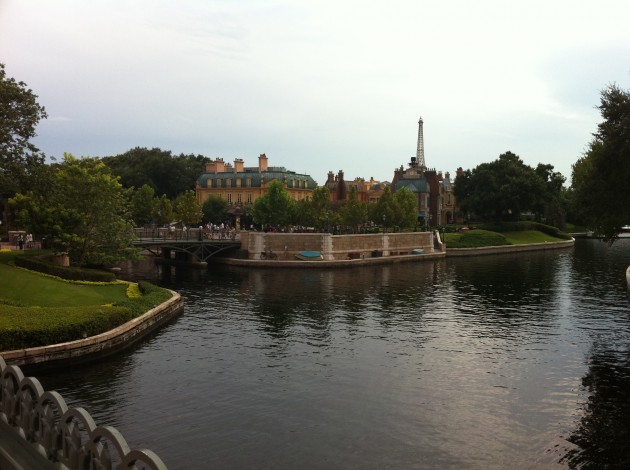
(279, 173)
(415, 185)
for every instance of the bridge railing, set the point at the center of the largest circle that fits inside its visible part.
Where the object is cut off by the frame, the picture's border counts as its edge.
(65, 438)
(178, 234)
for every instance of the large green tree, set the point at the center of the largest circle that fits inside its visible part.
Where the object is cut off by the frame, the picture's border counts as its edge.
(21, 163)
(143, 205)
(406, 209)
(500, 190)
(187, 209)
(354, 212)
(87, 213)
(214, 209)
(274, 208)
(383, 212)
(164, 172)
(600, 177)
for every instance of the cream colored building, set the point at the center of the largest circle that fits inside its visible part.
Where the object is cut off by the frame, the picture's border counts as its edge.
(240, 185)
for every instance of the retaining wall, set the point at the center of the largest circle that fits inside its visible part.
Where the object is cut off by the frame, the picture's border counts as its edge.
(285, 246)
(99, 345)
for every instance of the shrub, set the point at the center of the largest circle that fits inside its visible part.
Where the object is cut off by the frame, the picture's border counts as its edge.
(152, 296)
(70, 273)
(22, 327)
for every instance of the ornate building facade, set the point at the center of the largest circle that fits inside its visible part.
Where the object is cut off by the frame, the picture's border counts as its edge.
(433, 191)
(367, 191)
(240, 185)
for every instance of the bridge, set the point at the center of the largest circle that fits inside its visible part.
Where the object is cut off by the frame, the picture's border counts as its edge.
(190, 246)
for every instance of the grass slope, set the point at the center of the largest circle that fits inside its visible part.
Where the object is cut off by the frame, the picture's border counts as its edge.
(37, 310)
(480, 238)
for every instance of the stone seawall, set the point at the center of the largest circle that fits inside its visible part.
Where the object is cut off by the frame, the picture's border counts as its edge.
(284, 246)
(100, 345)
(494, 250)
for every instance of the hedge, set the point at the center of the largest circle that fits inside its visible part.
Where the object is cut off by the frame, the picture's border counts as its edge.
(152, 296)
(40, 326)
(70, 273)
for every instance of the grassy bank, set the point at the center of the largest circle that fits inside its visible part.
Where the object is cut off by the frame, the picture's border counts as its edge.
(36, 310)
(507, 234)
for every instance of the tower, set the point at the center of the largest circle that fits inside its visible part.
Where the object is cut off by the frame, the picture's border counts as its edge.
(420, 151)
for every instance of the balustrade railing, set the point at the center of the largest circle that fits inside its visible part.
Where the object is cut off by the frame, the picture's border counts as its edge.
(66, 436)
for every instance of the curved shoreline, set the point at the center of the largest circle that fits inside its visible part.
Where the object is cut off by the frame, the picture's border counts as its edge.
(494, 250)
(99, 345)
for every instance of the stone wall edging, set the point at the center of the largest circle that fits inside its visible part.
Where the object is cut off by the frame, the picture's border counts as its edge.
(327, 264)
(493, 250)
(101, 344)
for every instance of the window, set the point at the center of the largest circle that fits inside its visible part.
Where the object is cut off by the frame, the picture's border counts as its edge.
(229, 197)
(239, 198)
(249, 182)
(249, 198)
(228, 183)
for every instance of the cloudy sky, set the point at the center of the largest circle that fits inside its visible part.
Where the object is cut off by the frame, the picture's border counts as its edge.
(320, 85)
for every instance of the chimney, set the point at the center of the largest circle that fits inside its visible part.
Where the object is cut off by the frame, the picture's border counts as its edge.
(219, 166)
(262, 162)
(239, 166)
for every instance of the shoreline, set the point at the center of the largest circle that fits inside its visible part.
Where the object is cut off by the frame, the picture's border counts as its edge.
(101, 345)
(454, 252)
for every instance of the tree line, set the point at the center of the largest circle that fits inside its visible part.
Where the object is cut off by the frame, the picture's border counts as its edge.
(88, 206)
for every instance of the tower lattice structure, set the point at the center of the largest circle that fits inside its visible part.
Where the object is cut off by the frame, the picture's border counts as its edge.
(420, 150)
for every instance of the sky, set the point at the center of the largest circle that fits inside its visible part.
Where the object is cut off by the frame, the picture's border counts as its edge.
(320, 85)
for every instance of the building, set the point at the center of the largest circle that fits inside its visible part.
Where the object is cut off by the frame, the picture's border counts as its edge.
(241, 186)
(367, 191)
(433, 191)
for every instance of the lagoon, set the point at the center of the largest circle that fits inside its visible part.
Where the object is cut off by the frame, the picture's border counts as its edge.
(514, 360)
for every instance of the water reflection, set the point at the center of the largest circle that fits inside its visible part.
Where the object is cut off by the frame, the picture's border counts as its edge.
(603, 432)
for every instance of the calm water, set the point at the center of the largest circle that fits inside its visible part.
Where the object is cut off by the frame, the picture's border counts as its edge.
(518, 361)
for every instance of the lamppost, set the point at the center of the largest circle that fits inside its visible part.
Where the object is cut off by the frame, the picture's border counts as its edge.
(384, 221)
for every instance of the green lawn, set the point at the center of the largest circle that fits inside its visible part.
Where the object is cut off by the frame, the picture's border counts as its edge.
(480, 238)
(529, 236)
(28, 288)
(36, 310)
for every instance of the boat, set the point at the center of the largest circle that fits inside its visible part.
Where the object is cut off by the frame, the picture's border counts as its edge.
(309, 256)
(417, 251)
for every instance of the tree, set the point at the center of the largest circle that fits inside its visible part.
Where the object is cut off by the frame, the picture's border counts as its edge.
(274, 208)
(499, 191)
(164, 213)
(406, 209)
(552, 202)
(600, 177)
(86, 214)
(165, 173)
(143, 205)
(384, 210)
(322, 211)
(214, 209)
(20, 161)
(187, 209)
(354, 212)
